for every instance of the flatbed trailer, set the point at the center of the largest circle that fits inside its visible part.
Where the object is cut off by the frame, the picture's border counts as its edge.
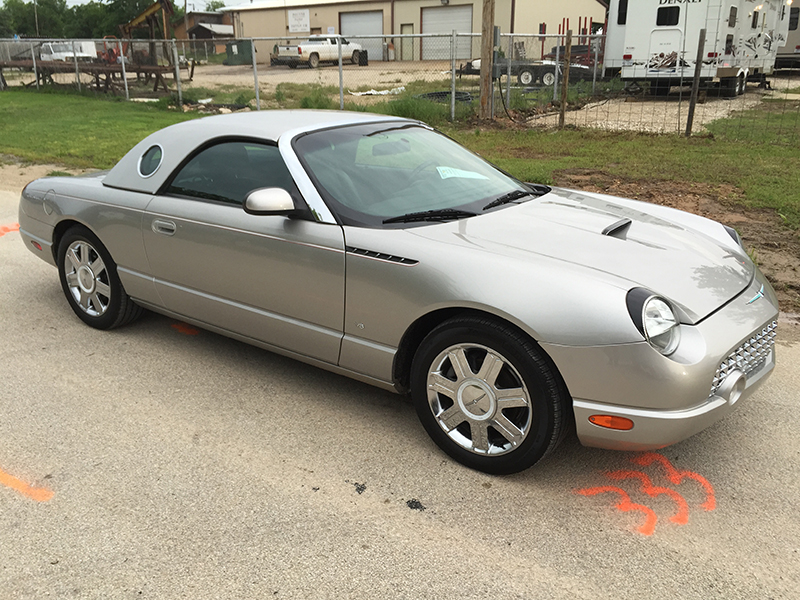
(529, 73)
(106, 77)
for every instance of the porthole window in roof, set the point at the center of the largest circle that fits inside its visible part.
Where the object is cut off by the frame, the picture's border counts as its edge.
(150, 161)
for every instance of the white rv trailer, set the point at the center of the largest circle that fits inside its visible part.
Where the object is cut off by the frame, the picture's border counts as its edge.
(656, 40)
(789, 54)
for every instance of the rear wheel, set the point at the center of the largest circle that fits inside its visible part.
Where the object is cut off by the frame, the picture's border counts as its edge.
(354, 57)
(313, 61)
(741, 84)
(90, 282)
(548, 78)
(488, 395)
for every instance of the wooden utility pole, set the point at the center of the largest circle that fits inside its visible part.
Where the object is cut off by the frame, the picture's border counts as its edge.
(487, 48)
(565, 79)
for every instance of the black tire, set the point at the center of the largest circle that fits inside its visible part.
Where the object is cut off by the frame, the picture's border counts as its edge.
(354, 57)
(313, 60)
(526, 77)
(93, 289)
(548, 78)
(463, 412)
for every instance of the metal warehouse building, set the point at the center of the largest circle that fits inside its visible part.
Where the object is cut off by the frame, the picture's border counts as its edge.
(294, 18)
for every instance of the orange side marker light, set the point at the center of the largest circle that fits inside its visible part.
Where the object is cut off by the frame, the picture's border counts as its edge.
(34, 493)
(612, 422)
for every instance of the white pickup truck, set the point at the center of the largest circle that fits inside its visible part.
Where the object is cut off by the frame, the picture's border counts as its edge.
(67, 51)
(315, 50)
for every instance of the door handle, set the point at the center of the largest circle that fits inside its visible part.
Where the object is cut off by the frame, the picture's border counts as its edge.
(163, 227)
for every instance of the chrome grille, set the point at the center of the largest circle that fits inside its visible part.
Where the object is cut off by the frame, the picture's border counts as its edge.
(748, 357)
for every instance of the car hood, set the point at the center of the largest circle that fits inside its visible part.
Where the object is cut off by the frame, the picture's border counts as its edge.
(674, 254)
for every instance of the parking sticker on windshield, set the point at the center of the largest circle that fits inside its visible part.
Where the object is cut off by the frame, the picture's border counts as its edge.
(448, 172)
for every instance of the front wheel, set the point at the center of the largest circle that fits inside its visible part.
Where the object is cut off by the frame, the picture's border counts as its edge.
(90, 282)
(525, 77)
(488, 395)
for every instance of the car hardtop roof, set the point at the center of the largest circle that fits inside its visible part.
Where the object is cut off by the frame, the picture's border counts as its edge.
(179, 140)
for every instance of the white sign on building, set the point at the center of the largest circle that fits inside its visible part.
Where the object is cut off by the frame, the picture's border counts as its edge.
(299, 21)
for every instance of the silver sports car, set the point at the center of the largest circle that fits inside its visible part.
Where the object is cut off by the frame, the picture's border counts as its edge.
(380, 249)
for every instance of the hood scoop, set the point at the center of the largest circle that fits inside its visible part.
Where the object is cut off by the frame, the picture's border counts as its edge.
(619, 229)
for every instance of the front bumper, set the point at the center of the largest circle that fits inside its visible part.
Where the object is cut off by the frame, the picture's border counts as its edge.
(669, 399)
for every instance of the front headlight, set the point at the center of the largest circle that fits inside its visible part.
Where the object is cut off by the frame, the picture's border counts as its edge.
(655, 320)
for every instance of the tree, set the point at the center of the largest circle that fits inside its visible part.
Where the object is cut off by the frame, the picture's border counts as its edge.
(214, 5)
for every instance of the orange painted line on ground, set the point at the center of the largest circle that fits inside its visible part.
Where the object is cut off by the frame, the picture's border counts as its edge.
(38, 494)
(681, 517)
(625, 505)
(185, 329)
(677, 476)
(8, 229)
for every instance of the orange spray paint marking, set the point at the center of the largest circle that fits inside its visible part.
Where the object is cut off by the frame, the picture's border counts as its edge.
(680, 518)
(625, 505)
(675, 476)
(8, 229)
(38, 494)
(185, 329)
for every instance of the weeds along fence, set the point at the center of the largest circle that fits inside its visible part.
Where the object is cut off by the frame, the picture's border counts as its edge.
(433, 77)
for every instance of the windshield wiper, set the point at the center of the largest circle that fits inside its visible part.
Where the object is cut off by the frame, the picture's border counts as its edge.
(536, 191)
(443, 214)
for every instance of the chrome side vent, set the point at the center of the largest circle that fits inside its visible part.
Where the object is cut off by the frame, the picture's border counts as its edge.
(381, 256)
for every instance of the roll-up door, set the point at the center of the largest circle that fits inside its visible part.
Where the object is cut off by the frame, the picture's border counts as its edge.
(370, 22)
(444, 19)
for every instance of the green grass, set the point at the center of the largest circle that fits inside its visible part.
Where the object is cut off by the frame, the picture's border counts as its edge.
(75, 130)
(768, 175)
(83, 131)
(774, 121)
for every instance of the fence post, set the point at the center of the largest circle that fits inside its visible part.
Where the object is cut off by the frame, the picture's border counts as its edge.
(594, 67)
(565, 83)
(177, 74)
(696, 83)
(124, 74)
(453, 75)
(555, 70)
(35, 70)
(255, 73)
(205, 47)
(77, 72)
(341, 74)
(509, 56)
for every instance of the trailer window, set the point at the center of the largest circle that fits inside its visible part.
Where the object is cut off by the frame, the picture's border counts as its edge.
(668, 15)
(622, 13)
(732, 17)
(794, 16)
(729, 44)
(754, 24)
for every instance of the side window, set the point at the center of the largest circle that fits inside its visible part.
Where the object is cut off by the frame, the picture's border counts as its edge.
(668, 15)
(229, 171)
(794, 16)
(622, 13)
(732, 17)
(754, 24)
(729, 45)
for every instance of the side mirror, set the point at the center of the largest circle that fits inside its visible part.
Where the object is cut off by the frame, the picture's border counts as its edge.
(269, 201)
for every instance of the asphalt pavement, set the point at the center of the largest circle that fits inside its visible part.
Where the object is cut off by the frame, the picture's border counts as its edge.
(162, 461)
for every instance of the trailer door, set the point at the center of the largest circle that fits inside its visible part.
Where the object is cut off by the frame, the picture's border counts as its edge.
(666, 42)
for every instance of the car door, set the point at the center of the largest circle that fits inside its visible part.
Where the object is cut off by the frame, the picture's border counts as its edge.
(271, 278)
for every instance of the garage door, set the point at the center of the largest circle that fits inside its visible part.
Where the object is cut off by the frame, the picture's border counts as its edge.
(370, 22)
(444, 19)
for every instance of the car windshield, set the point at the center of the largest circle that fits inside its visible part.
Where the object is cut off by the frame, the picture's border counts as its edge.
(370, 174)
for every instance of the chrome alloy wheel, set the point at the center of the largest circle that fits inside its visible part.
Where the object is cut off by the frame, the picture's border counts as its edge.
(87, 278)
(479, 399)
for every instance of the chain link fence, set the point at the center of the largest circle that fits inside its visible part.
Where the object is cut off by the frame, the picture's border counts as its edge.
(427, 76)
